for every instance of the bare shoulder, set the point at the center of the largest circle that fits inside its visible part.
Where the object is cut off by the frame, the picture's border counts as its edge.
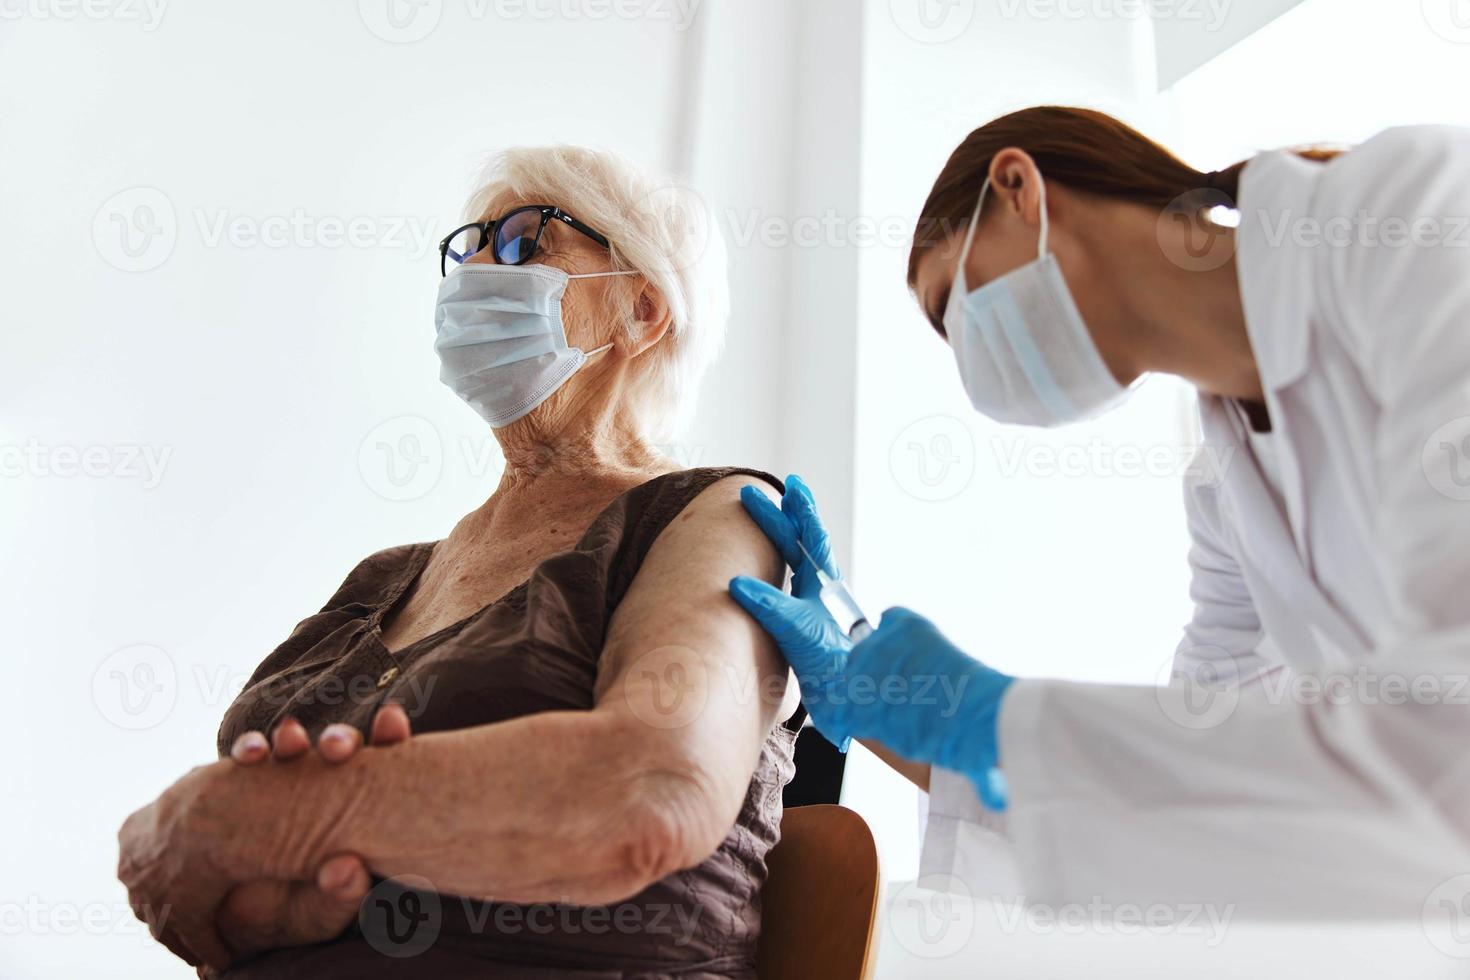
(723, 496)
(708, 542)
(715, 526)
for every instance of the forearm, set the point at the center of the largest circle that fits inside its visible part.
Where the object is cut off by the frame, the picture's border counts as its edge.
(562, 806)
(915, 772)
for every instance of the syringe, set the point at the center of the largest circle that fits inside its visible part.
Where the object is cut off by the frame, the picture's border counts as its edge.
(840, 602)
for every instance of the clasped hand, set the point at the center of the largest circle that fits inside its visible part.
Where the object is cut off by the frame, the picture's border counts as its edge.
(198, 899)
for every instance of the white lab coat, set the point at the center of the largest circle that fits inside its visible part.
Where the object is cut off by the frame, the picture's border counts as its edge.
(1360, 566)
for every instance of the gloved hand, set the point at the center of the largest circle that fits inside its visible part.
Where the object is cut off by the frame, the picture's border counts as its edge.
(801, 626)
(905, 686)
(909, 688)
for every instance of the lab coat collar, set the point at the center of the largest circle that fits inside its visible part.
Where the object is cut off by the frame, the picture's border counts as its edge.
(1277, 193)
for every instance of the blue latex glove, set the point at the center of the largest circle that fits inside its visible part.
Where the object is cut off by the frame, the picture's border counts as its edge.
(905, 686)
(909, 688)
(801, 626)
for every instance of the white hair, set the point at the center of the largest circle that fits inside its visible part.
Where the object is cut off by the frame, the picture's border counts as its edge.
(656, 228)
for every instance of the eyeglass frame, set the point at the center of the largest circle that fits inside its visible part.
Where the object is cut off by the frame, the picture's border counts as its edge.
(549, 213)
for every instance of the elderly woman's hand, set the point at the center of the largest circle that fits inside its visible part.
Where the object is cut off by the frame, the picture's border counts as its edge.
(169, 861)
(270, 913)
(181, 860)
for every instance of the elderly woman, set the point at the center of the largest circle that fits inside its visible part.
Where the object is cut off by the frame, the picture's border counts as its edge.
(594, 775)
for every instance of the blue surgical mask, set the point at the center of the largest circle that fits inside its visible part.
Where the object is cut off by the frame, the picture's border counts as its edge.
(501, 343)
(1023, 350)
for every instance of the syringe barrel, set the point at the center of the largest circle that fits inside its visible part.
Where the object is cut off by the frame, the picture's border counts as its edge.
(842, 606)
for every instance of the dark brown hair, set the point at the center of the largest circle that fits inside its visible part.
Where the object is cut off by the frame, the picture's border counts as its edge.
(1082, 149)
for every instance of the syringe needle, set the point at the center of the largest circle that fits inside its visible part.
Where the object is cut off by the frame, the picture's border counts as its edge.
(839, 600)
(822, 575)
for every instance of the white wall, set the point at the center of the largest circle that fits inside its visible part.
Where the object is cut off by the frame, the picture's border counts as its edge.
(1329, 71)
(736, 147)
(1189, 33)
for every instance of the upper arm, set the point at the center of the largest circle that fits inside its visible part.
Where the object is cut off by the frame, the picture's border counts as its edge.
(691, 676)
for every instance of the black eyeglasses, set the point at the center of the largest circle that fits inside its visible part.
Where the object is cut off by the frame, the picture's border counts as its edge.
(517, 236)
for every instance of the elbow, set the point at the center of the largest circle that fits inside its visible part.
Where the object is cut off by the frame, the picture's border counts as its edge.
(671, 826)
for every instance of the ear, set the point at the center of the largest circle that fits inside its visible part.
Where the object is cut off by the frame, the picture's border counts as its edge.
(1016, 180)
(652, 319)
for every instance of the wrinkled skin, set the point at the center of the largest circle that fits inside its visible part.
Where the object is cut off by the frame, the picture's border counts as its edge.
(248, 916)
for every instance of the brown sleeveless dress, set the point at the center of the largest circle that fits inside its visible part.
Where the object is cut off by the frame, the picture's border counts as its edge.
(535, 649)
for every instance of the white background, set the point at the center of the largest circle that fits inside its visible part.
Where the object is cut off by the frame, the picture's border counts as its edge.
(284, 391)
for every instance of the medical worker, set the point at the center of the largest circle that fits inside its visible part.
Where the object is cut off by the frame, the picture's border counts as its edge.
(1313, 754)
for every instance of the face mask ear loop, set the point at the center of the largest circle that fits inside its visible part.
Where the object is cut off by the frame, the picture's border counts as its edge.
(598, 275)
(1045, 221)
(974, 225)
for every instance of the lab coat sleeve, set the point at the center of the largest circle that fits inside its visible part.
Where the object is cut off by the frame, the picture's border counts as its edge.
(1261, 804)
(1400, 296)
(1224, 638)
(966, 845)
(1279, 799)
